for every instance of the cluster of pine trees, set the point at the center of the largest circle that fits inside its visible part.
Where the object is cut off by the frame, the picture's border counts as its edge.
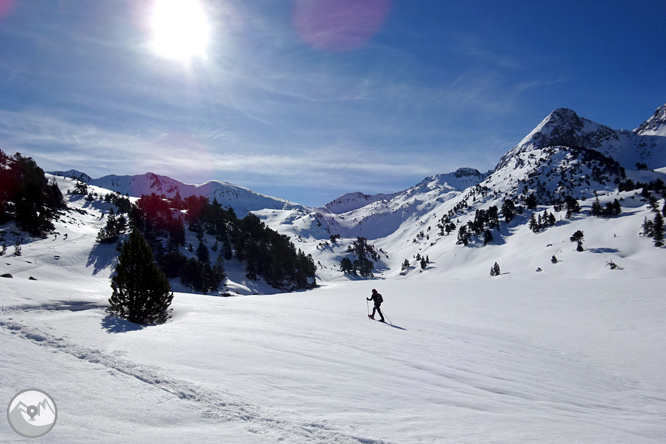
(265, 252)
(610, 210)
(655, 228)
(26, 196)
(363, 264)
(423, 261)
(541, 222)
(658, 186)
(484, 221)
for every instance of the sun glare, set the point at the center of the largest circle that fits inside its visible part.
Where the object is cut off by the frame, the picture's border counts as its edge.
(180, 29)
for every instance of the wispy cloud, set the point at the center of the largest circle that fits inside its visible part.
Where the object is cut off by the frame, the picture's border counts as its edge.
(81, 88)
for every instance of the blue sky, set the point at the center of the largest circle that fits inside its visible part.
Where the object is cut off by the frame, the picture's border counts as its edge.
(309, 99)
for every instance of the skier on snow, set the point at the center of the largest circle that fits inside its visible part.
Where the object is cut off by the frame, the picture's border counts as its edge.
(378, 299)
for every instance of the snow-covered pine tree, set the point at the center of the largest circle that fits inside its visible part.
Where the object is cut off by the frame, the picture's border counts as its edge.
(141, 291)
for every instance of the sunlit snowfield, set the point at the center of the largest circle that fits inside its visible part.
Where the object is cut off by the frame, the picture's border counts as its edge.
(469, 361)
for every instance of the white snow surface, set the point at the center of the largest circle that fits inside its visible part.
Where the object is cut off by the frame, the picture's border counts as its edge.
(574, 353)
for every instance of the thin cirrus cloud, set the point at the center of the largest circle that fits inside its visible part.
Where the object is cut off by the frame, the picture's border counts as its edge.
(311, 98)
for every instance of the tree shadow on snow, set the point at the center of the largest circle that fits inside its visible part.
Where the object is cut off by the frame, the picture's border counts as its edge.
(603, 250)
(102, 256)
(114, 324)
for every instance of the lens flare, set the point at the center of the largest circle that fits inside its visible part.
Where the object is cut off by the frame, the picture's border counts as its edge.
(5, 7)
(180, 29)
(339, 25)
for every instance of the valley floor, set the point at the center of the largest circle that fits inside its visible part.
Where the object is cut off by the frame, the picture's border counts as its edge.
(467, 361)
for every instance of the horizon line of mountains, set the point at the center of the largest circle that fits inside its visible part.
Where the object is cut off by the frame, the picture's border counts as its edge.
(641, 149)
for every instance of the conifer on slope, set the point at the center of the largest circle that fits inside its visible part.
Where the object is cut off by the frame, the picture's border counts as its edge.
(141, 291)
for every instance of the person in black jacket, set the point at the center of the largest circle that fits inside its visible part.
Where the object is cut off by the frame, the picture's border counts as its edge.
(378, 301)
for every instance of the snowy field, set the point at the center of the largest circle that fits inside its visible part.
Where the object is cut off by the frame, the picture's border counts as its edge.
(468, 361)
(525, 357)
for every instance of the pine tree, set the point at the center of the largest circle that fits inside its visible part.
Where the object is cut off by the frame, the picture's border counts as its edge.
(202, 253)
(571, 205)
(578, 238)
(508, 210)
(346, 265)
(463, 236)
(487, 237)
(533, 224)
(658, 228)
(648, 227)
(141, 291)
(617, 208)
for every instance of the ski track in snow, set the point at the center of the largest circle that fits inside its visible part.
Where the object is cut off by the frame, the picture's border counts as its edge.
(213, 405)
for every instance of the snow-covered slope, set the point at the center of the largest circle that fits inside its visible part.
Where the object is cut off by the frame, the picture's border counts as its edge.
(242, 200)
(353, 201)
(655, 125)
(72, 174)
(564, 156)
(409, 224)
(377, 216)
(556, 351)
(574, 353)
(481, 360)
(563, 127)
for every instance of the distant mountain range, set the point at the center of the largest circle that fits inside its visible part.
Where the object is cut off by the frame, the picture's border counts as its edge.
(562, 128)
(564, 157)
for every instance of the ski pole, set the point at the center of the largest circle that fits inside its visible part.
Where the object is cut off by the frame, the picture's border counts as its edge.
(387, 318)
(368, 306)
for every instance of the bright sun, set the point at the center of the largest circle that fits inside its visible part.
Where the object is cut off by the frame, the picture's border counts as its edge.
(180, 29)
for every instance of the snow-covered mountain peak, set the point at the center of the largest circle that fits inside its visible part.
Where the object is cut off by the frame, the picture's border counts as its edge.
(655, 125)
(73, 174)
(459, 180)
(563, 117)
(353, 201)
(242, 200)
(563, 127)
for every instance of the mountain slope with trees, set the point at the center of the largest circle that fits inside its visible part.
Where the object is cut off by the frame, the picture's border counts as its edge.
(568, 175)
